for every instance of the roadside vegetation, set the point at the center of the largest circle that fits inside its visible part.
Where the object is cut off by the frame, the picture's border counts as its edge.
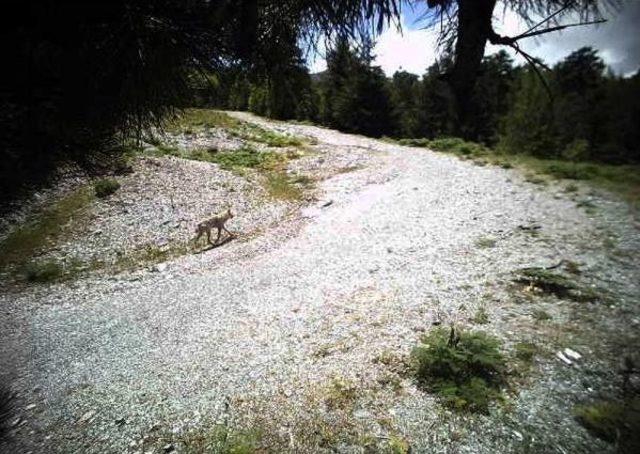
(43, 230)
(621, 179)
(465, 369)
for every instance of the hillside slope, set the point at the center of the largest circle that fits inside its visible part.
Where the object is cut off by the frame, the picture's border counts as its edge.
(296, 336)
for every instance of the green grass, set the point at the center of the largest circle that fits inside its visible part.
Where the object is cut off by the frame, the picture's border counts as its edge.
(526, 351)
(43, 230)
(105, 187)
(480, 317)
(42, 272)
(255, 133)
(340, 394)
(613, 421)
(466, 375)
(222, 440)
(192, 120)
(620, 179)
(198, 119)
(247, 157)
(280, 186)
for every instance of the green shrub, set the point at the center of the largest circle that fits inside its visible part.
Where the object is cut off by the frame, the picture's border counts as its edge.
(105, 187)
(578, 150)
(42, 272)
(466, 374)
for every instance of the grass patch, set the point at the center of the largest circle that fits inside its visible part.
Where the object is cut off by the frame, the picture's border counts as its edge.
(222, 440)
(540, 315)
(550, 283)
(280, 186)
(485, 242)
(340, 394)
(43, 230)
(526, 351)
(105, 187)
(465, 369)
(255, 133)
(398, 445)
(198, 119)
(247, 157)
(42, 272)
(613, 422)
(480, 317)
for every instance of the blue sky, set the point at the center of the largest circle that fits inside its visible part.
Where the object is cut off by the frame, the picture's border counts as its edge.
(414, 49)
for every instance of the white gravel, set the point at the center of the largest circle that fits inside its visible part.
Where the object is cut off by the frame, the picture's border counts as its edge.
(268, 323)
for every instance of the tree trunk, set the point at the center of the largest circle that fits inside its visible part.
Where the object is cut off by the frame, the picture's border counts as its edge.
(474, 28)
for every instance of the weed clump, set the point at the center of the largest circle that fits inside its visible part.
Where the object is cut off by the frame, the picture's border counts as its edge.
(526, 351)
(481, 317)
(548, 282)
(222, 440)
(486, 242)
(105, 187)
(465, 369)
(42, 272)
(613, 422)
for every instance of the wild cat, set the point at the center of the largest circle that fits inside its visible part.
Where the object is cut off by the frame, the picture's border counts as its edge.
(215, 222)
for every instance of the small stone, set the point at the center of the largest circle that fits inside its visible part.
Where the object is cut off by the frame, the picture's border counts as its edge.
(86, 417)
(30, 407)
(159, 268)
(168, 447)
(518, 435)
(572, 354)
(563, 358)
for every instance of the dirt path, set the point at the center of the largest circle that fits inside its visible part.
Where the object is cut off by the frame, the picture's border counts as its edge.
(262, 333)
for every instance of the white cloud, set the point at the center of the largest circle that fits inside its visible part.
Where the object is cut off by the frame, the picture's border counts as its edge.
(410, 50)
(415, 49)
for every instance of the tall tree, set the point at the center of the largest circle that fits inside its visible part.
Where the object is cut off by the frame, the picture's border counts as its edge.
(467, 27)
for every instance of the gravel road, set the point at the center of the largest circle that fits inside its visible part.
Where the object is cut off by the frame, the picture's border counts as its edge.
(257, 332)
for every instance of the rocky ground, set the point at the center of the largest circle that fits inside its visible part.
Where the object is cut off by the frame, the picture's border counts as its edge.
(297, 333)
